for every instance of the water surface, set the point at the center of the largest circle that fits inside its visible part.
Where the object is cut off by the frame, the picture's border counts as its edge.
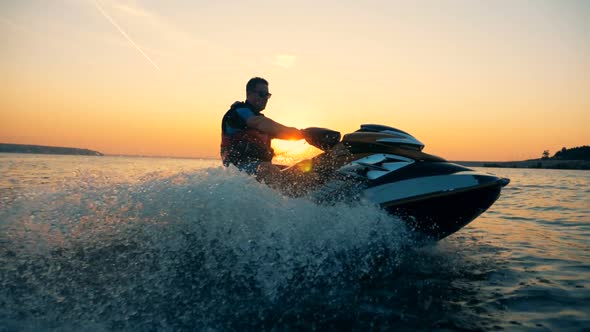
(120, 243)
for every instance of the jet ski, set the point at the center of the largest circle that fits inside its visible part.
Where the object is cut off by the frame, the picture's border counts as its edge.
(387, 166)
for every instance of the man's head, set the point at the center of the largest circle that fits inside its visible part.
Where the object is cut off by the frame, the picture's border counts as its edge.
(257, 92)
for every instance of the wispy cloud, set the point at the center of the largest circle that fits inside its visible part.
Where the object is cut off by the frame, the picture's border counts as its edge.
(282, 60)
(112, 21)
(175, 45)
(174, 42)
(132, 10)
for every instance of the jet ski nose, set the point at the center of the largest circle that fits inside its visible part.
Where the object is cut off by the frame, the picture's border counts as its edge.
(504, 182)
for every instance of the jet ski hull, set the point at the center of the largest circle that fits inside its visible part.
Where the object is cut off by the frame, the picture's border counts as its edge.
(439, 215)
(434, 198)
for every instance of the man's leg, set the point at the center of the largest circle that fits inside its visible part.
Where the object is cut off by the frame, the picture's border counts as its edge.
(290, 181)
(306, 175)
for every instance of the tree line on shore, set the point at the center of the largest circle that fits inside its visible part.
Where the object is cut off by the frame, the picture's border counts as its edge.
(577, 153)
(42, 149)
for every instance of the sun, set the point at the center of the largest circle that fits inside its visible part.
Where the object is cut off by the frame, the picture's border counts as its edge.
(290, 152)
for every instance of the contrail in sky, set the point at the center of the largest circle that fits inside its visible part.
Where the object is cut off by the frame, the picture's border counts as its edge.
(104, 13)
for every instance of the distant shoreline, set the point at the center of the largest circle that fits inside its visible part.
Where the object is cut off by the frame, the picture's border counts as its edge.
(532, 163)
(42, 149)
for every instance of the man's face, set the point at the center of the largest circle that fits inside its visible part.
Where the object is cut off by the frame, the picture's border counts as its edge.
(259, 97)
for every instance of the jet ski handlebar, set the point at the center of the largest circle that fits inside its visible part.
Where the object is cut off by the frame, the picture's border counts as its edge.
(321, 138)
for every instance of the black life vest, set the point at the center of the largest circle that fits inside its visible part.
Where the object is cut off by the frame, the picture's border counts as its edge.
(239, 143)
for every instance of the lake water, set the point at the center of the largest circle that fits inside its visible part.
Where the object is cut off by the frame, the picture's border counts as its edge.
(145, 244)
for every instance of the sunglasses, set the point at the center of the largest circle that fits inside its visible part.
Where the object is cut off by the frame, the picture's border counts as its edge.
(263, 94)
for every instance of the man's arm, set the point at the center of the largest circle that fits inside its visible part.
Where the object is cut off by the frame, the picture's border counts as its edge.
(274, 128)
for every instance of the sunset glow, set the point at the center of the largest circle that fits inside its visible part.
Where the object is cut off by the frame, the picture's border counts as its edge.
(288, 152)
(497, 80)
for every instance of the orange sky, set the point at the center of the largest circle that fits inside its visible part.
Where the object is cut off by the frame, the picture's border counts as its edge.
(498, 80)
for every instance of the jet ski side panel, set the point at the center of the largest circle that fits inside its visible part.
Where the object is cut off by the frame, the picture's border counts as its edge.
(437, 216)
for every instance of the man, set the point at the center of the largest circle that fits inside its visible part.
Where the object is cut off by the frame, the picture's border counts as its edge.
(246, 135)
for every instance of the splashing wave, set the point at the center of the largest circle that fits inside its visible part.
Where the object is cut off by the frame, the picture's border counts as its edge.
(206, 249)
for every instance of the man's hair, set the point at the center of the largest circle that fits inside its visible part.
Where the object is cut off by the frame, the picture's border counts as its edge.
(253, 82)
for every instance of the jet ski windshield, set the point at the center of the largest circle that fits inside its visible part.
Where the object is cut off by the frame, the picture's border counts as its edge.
(375, 128)
(379, 135)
